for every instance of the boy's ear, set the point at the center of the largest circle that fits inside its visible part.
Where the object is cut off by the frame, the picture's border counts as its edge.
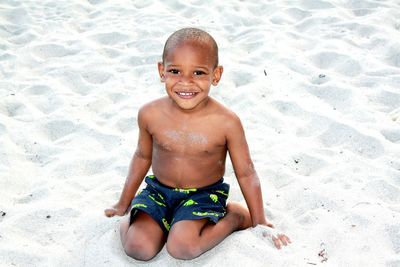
(160, 66)
(217, 75)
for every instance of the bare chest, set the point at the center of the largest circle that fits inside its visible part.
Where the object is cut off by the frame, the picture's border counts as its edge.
(189, 142)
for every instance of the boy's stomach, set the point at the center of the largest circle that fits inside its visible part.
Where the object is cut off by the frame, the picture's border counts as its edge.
(188, 171)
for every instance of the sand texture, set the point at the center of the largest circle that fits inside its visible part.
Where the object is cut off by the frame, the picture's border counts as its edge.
(316, 84)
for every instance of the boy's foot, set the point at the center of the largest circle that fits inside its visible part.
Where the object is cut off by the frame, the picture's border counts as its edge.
(240, 214)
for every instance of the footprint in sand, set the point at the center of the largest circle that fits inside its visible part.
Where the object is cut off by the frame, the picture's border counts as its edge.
(46, 51)
(393, 56)
(80, 166)
(96, 77)
(40, 153)
(393, 232)
(96, 2)
(292, 109)
(17, 257)
(319, 79)
(57, 129)
(342, 64)
(363, 4)
(305, 204)
(147, 46)
(335, 96)
(297, 14)
(17, 15)
(22, 36)
(72, 79)
(46, 226)
(388, 101)
(315, 4)
(7, 56)
(342, 135)
(3, 129)
(37, 194)
(351, 30)
(43, 98)
(110, 52)
(393, 263)
(39, 90)
(140, 60)
(13, 108)
(123, 124)
(305, 164)
(241, 78)
(384, 191)
(110, 38)
(392, 134)
(361, 12)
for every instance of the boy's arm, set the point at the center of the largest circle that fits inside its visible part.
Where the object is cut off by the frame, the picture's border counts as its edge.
(247, 177)
(245, 173)
(139, 165)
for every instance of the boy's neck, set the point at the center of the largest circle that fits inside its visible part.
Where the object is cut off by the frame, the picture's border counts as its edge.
(202, 107)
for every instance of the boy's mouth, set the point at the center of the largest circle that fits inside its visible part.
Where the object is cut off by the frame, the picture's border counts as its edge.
(186, 95)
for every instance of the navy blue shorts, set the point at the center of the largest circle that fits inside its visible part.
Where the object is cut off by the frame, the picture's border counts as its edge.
(167, 205)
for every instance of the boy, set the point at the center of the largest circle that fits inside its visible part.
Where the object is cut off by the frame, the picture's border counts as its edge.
(185, 137)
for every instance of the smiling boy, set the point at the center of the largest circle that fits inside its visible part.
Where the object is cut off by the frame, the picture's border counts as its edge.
(185, 137)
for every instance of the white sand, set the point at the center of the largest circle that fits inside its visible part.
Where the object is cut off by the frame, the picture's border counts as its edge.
(316, 84)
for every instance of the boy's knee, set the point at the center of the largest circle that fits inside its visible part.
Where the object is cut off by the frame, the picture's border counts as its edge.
(179, 248)
(139, 250)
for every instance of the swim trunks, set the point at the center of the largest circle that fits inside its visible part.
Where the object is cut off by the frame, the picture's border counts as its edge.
(168, 205)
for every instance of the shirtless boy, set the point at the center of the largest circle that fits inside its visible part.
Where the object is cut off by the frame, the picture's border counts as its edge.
(185, 138)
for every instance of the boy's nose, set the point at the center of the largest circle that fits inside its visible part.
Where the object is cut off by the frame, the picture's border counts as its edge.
(186, 78)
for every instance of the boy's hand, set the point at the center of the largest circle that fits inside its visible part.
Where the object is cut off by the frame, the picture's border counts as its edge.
(115, 210)
(279, 239)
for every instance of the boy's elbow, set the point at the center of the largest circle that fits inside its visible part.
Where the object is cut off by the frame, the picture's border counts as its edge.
(139, 153)
(248, 175)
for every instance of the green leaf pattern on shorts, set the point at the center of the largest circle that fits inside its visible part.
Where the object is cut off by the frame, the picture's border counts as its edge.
(214, 197)
(139, 205)
(166, 224)
(185, 191)
(156, 201)
(190, 202)
(198, 213)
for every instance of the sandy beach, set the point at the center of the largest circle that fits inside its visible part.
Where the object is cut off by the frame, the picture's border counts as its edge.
(315, 83)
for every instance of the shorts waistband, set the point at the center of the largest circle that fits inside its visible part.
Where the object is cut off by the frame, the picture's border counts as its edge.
(153, 179)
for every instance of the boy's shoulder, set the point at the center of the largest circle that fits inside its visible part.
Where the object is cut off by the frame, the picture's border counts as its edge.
(223, 111)
(225, 117)
(154, 105)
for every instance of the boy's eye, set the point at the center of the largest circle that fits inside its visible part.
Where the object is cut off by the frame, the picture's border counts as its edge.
(199, 72)
(173, 71)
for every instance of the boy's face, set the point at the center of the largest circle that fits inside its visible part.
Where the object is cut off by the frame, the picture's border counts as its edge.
(188, 71)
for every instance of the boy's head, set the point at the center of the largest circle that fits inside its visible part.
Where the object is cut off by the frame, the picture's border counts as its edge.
(190, 67)
(192, 35)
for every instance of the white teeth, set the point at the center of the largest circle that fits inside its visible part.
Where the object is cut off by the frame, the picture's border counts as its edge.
(185, 94)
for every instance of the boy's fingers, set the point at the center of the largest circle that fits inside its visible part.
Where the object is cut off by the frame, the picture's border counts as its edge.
(277, 238)
(288, 239)
(284, 239)
(277, 242)
(281, 240)
(110, 212)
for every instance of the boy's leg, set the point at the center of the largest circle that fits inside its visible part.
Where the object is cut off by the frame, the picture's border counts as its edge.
(143, 239)
(189, 239)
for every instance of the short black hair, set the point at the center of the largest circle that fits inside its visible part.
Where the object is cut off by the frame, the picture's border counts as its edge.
(191, 34)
